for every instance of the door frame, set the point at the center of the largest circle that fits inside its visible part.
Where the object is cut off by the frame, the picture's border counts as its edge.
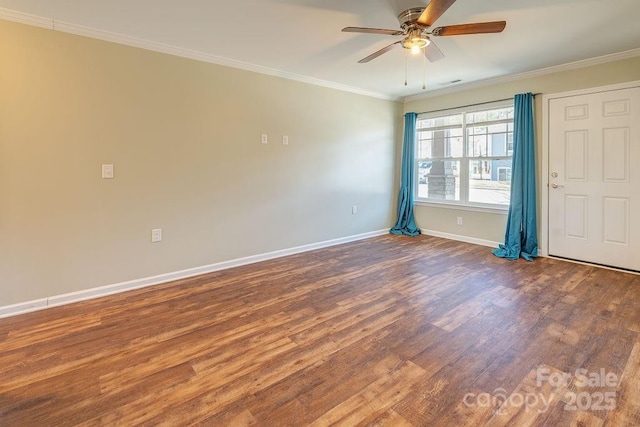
(544, 174)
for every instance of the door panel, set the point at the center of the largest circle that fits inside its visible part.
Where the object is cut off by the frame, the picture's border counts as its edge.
(594, 178)
(615, 154)
(576, 163)
(616, 220)
(576, 216)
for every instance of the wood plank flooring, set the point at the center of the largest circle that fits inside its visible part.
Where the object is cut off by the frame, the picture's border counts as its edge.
(389, 331)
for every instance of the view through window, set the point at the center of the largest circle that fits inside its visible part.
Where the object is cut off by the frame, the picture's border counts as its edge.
(464, 157)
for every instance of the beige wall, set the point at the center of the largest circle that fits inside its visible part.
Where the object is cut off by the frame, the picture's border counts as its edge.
(184, 137)
(491, 226)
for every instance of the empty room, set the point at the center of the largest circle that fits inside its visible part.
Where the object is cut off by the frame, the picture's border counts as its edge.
(320, 212)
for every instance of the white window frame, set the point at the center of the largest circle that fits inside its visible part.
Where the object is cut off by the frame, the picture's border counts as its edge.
(463, 203)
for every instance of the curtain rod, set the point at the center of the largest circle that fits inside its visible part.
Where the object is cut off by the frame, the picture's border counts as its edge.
(472, 105)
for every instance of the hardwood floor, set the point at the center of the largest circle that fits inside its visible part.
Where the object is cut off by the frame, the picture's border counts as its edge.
(392, 331)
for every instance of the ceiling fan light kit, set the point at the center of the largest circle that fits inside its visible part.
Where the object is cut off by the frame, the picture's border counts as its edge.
(415, 41)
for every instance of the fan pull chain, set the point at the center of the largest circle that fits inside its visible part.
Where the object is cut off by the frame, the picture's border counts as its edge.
(424, 72)
(406, 65)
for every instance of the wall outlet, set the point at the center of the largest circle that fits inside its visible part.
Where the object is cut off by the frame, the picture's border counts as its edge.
(156, 235)
(107, 171)
(264, 139)
(285, 140)
(354, 210)
(459, 220)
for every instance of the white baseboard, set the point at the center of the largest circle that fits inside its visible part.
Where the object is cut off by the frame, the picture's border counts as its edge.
(23, 307)
(460, 238)
(57, 300)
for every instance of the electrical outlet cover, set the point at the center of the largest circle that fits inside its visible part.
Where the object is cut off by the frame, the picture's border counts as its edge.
(156, 235)
(107, 171)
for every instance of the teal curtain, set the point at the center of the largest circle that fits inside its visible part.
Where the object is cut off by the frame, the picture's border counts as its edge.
(406, 223)
(521, 236)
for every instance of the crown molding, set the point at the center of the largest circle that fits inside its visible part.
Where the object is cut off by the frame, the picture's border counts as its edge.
(65, 27)
(526, 75)
(25, 18)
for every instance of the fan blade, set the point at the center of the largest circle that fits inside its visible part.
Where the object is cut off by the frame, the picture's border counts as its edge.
(378, 53)
(433, 11)
(432, 52)
(372, 31)
(478, 28)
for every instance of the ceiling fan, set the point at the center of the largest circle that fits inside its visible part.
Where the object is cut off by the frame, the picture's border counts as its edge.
(415, 24)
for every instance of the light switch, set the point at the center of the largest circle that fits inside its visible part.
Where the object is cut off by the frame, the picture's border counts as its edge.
(107, 171)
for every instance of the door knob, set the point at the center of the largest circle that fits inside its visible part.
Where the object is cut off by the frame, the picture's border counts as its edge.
(554, 185)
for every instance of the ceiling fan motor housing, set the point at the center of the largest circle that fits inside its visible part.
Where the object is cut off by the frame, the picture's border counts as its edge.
(408, 19)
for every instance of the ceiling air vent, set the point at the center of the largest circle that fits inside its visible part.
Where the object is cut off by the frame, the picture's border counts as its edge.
(450, 83)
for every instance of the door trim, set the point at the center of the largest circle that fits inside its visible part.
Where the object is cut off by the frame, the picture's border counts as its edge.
(544, 175)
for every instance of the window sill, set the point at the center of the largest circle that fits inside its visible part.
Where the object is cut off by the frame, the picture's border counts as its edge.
(461, 207)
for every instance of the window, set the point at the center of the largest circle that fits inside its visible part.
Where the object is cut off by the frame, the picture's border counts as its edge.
(464, 157)
(504, 174)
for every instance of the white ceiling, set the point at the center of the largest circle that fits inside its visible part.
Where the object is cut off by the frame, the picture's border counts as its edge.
(302, 37)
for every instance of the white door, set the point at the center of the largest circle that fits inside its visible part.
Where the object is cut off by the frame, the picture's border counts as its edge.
(594, 178)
